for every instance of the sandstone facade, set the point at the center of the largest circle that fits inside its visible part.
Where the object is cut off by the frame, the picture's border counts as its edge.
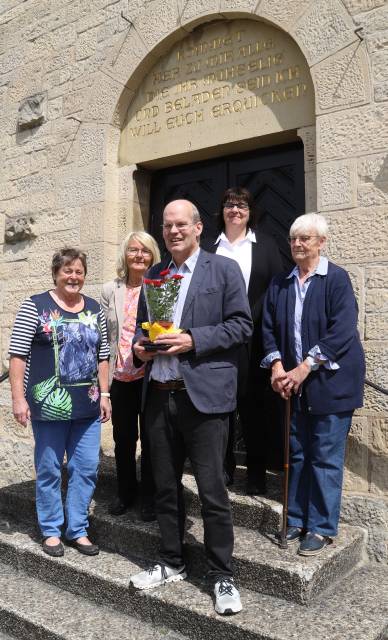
(71, 73)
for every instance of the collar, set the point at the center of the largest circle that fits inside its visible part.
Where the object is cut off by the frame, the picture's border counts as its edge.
(189, 263)
(321, 269)
(250, 235)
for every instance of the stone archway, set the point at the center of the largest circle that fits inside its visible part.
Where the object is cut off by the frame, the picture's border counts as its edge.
(338, 66)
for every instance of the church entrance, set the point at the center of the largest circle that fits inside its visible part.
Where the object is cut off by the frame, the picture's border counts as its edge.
(274, 176)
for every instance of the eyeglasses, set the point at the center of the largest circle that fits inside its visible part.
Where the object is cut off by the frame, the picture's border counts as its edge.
(134, 252)
(240, 205)
(302, 239)
(181, 226)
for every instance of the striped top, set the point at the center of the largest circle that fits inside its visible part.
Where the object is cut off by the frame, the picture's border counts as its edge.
(62, 351)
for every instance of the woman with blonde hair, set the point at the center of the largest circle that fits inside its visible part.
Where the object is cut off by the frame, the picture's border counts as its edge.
(119, 299)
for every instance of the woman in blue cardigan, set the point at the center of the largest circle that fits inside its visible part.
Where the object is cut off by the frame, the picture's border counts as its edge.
(313, 349)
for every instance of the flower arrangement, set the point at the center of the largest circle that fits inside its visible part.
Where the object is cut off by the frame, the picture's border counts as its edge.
(161, 295)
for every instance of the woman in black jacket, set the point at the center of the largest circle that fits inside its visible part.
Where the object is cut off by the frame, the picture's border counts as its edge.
(259, 259)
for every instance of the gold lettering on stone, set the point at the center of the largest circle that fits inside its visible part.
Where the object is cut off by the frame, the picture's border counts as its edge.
(247, 73)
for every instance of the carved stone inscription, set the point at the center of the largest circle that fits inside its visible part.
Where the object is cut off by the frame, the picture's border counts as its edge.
(228, 81)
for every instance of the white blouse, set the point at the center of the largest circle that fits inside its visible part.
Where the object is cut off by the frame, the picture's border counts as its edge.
(241, 252)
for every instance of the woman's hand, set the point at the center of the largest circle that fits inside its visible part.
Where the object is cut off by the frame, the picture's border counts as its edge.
(21, 411)
(295, 377)
(105, 409)
(278, 376)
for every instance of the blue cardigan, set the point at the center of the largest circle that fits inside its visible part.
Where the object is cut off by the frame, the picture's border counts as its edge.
(329, 320)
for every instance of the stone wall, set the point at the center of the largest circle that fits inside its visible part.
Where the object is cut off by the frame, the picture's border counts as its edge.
(69, 70)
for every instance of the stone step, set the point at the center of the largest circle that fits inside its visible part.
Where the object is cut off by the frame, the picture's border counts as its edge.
(262, 513)
(354, 609)
(31, 609)
(259, 564)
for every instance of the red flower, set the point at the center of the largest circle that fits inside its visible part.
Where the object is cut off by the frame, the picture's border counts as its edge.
(176, 277)
(156, 283)
(147, 281)
(165, 272)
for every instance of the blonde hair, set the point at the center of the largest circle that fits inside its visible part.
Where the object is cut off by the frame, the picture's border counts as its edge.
(146, 240)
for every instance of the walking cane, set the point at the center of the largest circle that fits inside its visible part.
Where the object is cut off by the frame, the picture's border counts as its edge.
(287, 415)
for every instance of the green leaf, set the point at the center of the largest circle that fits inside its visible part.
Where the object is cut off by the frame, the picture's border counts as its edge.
(57, 405)
(42, 389)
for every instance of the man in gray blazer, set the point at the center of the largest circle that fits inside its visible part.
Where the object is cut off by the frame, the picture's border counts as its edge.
(189, 391)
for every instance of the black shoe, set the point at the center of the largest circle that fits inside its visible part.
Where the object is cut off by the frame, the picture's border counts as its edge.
(118, 506)
(313, 543)
(85, 549)
(293, 535)
(147, 513)
(55, 551)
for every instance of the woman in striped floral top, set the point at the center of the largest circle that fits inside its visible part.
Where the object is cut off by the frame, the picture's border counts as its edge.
(59, 380)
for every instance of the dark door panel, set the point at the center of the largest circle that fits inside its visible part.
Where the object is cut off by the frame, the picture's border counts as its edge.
(275, 177)
(202, 183)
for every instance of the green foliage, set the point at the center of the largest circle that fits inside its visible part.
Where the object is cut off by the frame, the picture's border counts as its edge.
(57, 406)
(42, 389)
(161, 299)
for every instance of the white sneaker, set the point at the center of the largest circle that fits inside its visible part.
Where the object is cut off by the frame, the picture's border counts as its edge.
(157, 575)
(227, 597)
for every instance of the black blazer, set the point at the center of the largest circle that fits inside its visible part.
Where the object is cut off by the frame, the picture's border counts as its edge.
(266, 263)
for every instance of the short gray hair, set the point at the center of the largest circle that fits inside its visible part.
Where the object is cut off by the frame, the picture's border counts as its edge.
(308, 222)
(196, 214)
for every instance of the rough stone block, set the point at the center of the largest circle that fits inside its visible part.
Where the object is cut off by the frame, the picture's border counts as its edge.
(358, 6)
(343, 79)
(379, 474)
(73, 102)
(372, 514)
(358, 235)
(373, 180)
(77, 188)
(126, 61)
(377, 301)
(16, 459)
(308, 136)
(376, 276)
(196, 10)
(53, 241)
(159, 19)
(283, 12)
(352, 132)
(92, 224)
(108, 102)
(32, 111)
(236, 8)
(86, 44)
(327, 17)
(92, 144)
(336, 185)
(356, 463)
(376, 326)
(376, 354)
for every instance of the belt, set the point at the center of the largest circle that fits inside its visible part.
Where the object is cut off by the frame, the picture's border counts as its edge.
(170, 385)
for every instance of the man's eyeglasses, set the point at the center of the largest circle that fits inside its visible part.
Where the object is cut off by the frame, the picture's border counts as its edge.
(134, 252)
(240, 205)
(302, 239)
(181, 226)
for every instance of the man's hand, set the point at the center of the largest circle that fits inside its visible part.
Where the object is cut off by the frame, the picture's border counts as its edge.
(140, 352)
(21, 411)
(180, 343)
